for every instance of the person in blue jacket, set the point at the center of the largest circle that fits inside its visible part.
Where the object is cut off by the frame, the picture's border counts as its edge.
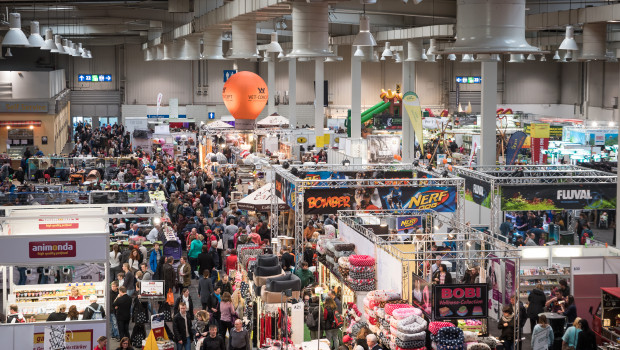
(155, 256)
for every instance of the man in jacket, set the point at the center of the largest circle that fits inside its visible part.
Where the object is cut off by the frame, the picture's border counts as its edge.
(224, 285)
(154, 258)
(122, 306)
(205, 289)
(373, 342)
(94, 309)
(113, 322)
(129, 282)
(536, 301)
(184, 271)
(168, 274)
(147, 274)
(182, 328)
(239, 338)
(306, 276)
(205, 260)
(213, 341)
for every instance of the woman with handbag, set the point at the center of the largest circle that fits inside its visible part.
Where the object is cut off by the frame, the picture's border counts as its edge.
(569, 340)
(228, 315)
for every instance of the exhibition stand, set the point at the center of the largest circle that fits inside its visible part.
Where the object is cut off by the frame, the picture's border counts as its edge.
(54, 239)
(324, 189)
(495, 189)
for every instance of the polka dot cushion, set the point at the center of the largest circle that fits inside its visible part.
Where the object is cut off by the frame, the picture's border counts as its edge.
(361, 260)
(434, 327)
(399, 314)
(383, 295)
(449, 338)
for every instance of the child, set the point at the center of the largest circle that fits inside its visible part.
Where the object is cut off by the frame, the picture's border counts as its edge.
(507, 326)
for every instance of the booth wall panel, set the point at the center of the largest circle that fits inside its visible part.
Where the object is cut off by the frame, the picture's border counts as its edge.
(587, 291)
(363, 246)
(389, 271)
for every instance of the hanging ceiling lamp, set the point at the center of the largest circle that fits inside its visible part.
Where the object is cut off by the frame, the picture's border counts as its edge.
(35, 39)
(569, 42)
(543, 58)
(76, 50)
(467, 58)
(67, 46)
(358, 52)
(84, 52)
(8, 52)
(59, 48)
(386, 52)
(364, 37)
(516, 58)
(568, 56)
(439, 57)
(397, 58)
(432, 49)
(531, 57)
(15, 36)
(556, 57)
(423, 56)
(274, 46)
(452, 57)
(48, 44)
(334, 49)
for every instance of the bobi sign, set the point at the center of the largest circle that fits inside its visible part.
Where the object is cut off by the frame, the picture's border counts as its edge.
(51, 249)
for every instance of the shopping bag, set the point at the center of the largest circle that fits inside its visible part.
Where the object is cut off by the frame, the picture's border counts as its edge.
(170, 298)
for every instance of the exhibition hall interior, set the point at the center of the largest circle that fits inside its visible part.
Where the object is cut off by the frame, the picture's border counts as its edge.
(309, 174)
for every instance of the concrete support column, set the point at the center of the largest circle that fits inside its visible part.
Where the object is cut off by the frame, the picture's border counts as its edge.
(356, 96)
(487, 155)
(319, 114)
(292, 92)
(408, 134)
(271, 83)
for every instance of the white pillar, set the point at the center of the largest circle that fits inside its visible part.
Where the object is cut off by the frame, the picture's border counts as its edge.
(356, 96)
(271, 83)
(319, 115)
(487, 154)
(408, 134)
(292, 93)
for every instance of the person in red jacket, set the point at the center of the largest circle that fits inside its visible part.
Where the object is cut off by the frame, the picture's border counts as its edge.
(102, 343)
(231, 261)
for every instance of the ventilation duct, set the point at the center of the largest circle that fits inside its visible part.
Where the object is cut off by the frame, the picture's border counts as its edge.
(212, 45)
(172, 50)
(149, 54)
(516, 58)
(35, 39)
(415, 49)
(499, 27)
(310, 30)
(190, 48)
(244, 40)
(334, 49)
(59, 47)
(594, 41)
(159, 53)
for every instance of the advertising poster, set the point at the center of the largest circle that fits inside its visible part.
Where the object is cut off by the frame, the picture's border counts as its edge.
(76, 336)
(152, 289)
(494, 281)
(539, 142)
(569, 196)
(379, 230)
(555, 131)
(319, 201)
(285, 190)
(421, 293)
(411, 102)
(510, 283)
(408, 223)
(382, 149)
(515, 143)
(459, 301)
(441, 199)
(477, 191)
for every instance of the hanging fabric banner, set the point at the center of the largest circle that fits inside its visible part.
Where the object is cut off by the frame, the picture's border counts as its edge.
(514, 146)
(414, 111)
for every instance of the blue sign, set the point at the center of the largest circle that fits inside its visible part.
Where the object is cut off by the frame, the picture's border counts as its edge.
(156, 116)
(514, 146)
(94, 77)
(211, 115)
(469, 80)
(228, 73)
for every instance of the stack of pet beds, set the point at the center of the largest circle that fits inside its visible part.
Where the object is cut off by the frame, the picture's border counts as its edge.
(335, 249)
(409, 332)
(271, 292)
(267, 266)
(362, 273)
(246, 251)
(344, 266)
(374, 299)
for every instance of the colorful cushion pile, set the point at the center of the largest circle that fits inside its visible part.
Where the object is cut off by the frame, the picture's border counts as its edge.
(410, 332)
(449, 338)
(362, 272)
(248, 250)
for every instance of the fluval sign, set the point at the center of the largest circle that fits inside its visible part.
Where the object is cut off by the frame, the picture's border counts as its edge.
(550, 197)
(458, 301)
(51, 249)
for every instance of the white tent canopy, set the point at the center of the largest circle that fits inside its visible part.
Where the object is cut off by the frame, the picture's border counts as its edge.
(260, 200)
(218, 124)
(273, 120)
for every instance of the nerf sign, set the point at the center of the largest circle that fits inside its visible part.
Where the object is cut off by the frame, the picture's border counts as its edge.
(441, 199)
(328, 202)
(408, 223)
(429, 199)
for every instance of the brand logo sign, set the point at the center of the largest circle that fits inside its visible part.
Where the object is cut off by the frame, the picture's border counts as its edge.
(429, 199)
(574, 194)
(59, 224)
(408, 223)
(51, 249)
(329, 202)
(460, 301)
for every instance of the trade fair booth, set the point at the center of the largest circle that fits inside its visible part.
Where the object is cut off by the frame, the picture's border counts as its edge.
(326, 188)
(520, 188)
(68, 248)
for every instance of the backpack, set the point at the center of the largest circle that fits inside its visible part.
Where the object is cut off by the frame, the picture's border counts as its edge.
(338, 320)
(311, 322)
(97, 315)
(172, 187)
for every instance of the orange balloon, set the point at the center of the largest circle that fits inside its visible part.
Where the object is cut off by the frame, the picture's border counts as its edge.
(428, 156)
(398, 157)
(450, 167)
(445, 161)
(245, 95)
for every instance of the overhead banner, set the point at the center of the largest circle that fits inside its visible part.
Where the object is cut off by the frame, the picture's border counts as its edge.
(320, 201)
(539, 142)
(514, 146)
(555, 131)
(477, 191)
(552, 197)
(408, 223)
(460, 301)
(285, 190)
(411, 102)
(383, 149)
(441, 199)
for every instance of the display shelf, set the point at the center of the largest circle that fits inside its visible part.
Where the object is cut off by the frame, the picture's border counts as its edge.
(547, 276)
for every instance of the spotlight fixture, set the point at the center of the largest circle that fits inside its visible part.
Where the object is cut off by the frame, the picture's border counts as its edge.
(429, 168)
(285, 165)
(294, 172)
(387, 52)
(416, 162)
(452, 57)
(346, 162)
(556, 57)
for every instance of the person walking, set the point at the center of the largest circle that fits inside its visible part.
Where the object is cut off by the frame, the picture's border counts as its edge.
(122, 307)
(154, 258)
(331, 325)
(536, 304)
(586, 340)
(194, 251)
(239, 338)
(185, 298)
(569, 340)
(205, 289)
(543, 329)
(168, 274)
(227, 314)
(182, 328)
(184, 275)
(507, 326)
(129, 281)
(213, 341)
